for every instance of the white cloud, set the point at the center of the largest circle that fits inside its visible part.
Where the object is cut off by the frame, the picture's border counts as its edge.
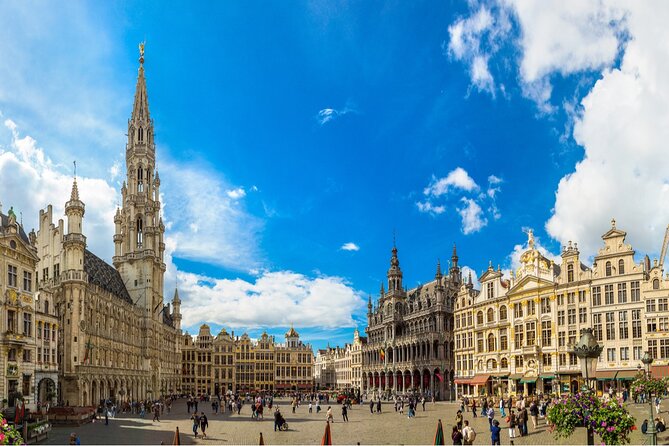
(31, 181)
(330, 114)
(274, 299)
(458, 178)
(472, 216)
(459, 186)
(473, 40)
(225, 234)
(350, 246)
(428, 208)
(236, 194)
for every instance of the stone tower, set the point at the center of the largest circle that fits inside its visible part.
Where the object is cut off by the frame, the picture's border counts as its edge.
(138, 239)
(74, 281)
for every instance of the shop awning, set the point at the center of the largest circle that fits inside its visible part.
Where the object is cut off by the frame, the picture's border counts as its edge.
(479, 380)
(463, 380)
(548, 376)
(606, 375)
(528, 379)
(659, 371)
(627, 375)
(515, 376)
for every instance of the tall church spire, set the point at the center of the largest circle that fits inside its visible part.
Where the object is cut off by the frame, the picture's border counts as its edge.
(394, 273)
(140, 109)
(139, 244)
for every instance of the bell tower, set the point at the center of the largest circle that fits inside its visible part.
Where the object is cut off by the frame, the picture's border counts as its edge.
(138, 239)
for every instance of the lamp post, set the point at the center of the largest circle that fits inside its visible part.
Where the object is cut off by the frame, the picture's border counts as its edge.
(588, 351)
(651, 432)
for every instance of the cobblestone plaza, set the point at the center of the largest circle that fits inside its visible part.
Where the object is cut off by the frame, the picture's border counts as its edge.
(388, 427)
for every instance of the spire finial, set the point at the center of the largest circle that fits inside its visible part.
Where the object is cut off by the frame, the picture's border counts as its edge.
(75, 168)
(613, 223)
(141, 52)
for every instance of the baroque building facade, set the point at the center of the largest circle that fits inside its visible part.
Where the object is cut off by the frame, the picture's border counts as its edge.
(18, 368)
(516, 335)
(340, 367)
(116, 338)
(410, 343)
(229, 364)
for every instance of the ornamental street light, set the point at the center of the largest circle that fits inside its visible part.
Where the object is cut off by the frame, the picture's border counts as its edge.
(588, 351)
(651, 432)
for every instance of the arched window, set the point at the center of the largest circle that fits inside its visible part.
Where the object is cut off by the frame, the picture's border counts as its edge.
(491, 343)
(140, 230)
(621, 266)
(502, 313)
(504, 363)
(570, 272)
(491, 315)
(656, 284)
(140, 134)
(479, 317)
(140, 179)
(46, 306)
(608, 269)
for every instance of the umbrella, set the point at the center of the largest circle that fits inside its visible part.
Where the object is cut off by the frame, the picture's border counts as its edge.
(261, 441)
(177, 439)
(439, 436)
(327, 436)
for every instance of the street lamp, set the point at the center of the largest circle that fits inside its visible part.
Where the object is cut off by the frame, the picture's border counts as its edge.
(652, 433)
(588, 351)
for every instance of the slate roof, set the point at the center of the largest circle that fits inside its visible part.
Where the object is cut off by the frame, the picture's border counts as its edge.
(105, 276)
(4, 221)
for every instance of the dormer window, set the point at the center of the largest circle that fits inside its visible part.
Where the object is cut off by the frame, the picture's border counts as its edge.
(490, 290)
(608, 269)
(621, 266)
(570, 272)
(656, 284)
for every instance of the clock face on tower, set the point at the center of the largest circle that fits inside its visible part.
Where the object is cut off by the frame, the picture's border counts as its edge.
(82, 325)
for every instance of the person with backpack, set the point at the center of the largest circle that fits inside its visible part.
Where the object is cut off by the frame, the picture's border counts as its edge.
(456, 436)
(468, 433)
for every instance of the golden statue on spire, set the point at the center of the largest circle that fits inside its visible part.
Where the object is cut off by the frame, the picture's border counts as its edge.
(141, 51)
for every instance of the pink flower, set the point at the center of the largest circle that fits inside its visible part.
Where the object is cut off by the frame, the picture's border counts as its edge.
(2, 437)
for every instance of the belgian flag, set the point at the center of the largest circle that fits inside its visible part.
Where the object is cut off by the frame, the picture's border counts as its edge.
(383, 355)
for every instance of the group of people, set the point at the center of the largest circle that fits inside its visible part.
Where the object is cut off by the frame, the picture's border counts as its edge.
(516, 415)
(660, 425)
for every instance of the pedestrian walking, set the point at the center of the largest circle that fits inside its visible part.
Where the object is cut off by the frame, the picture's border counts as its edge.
(501, 407)
(458, 419)
(344, 412)
(534, 413)
(196, 423)
(204, 423)
(512, 425)
(494, 433)
(491, 415)
(328, 414)
(371, 406)
(311, 408)
(474, 408)
(378, 406)
(422, 402)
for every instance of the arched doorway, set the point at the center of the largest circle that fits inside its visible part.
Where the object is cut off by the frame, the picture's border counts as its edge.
(46, 390)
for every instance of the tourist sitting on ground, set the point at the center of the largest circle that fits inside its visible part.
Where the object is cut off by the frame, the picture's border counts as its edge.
(644, 427)
(659, 425)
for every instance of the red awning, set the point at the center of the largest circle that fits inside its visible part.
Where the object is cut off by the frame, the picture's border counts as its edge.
(463, 380)
(479, 380)
(659, 371)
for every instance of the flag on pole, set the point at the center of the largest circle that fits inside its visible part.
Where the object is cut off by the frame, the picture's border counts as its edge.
(383, 355)
(439, 436)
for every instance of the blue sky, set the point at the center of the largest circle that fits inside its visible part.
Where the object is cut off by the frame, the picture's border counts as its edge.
(288, 131)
